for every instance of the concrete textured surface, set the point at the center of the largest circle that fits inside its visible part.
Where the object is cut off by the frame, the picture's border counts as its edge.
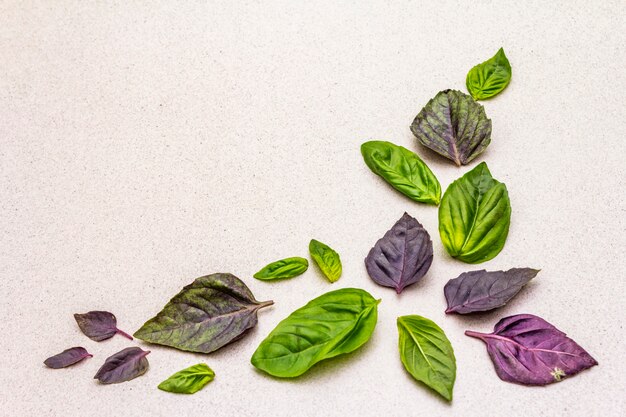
(144, 144)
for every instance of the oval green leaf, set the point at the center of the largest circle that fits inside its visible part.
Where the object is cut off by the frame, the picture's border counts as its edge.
(427, 354)
(327, 259)
(403, 170)
(189, 380)
(335, 323)
(474, 216)
(489, 78)
(283, 269)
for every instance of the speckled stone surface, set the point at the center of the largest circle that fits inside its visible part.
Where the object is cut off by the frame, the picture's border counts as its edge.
(142, 146)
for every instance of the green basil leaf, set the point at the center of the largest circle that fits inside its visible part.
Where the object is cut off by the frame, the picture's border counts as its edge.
(285, 268)
(189, 380)
(489, 78)
(335, 323)
(327, 259)
(474, 216)
(403, 170)
(453, 125)
(427, 354)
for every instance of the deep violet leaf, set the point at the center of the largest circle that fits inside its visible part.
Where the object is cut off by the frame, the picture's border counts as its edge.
(204, 316)
(99, 325)
(123, 366)
(481, 290)
(67, 358)
(402, 256)
(188, 381)
(527, 350)
(453, 125)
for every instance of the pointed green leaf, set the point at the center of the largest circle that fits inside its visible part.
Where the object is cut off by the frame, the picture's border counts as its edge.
(327, 259)
(332, 324)
(489, 78)
(283, 269)
(427, 354)
(189, 380)
(403, 170)
(474, 216)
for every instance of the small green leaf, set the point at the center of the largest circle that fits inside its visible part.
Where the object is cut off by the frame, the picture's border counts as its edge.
(427, 354)
(189, 380)
(474, 216)
(332, 324)
(403, 170)
(489, 78)
(285, 268)
(327, 259)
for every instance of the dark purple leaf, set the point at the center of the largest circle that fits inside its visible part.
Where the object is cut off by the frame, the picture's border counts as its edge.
(125, 365)
(402, 257)
(482, 290)
(67, 358)
(527, 350)
(99, 325)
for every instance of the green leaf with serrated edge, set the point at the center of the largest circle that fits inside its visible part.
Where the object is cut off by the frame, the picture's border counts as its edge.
(403, 170)
(453, 125)
(474, 216)
(489, 78)
(327, 259)
(189, 380)
(283, 269)
(204, 316)
(332, 324)
(427, 354)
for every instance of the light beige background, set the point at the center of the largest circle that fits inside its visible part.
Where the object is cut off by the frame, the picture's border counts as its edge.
(144, 144)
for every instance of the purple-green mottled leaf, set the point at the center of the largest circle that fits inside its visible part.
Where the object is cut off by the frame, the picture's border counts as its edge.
(402, 256)
(453, 125)
(204, 316)
(99, 325)
(67, 358)
(527, 350)
(123, 366)
(481, 290)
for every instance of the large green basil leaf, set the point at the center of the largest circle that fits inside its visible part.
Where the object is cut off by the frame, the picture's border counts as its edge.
(204, 316)
(453, 125)
(474, 216)
(489, 78)
(283, 269)
(427, 354)
(403, 170)
(335, 323)
(326, 258)
(189, 380)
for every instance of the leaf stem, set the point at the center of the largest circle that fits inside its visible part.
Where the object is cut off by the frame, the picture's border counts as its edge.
(123, 333)
(477, 335)
(263, 304)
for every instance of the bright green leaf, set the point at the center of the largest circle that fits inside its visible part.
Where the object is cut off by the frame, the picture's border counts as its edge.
(285, 268)
(489, 78)
(326, 258)
(189, 380)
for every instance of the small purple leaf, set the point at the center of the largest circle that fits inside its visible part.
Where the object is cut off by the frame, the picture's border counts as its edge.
(123, 366)
(99, 325)
(481, 290)
(402, 257)
(67, 358)
(527, 350)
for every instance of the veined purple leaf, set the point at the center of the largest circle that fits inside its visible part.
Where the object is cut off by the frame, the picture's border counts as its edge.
(527, 350)
(123, 366)
(99, 325)
(402, 257)
(481, 290)
(67, 358)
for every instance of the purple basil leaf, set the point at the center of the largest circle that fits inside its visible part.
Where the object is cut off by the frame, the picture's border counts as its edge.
(482, 290)
(125, 365)
(99, 325)
(67, 358)
(402, 257)
(527, 350)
